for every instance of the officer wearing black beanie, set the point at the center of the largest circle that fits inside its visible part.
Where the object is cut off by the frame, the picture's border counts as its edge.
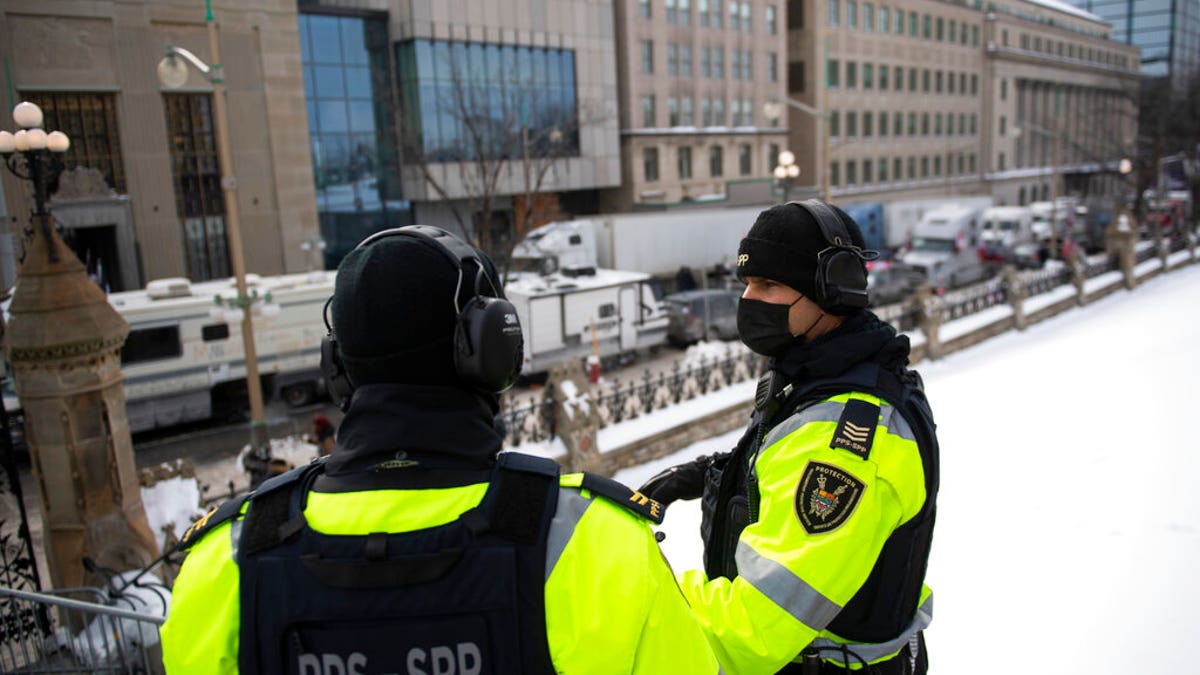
(416, 545)
(817, 525)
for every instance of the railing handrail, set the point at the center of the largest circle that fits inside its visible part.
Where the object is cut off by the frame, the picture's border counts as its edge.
(84, 606)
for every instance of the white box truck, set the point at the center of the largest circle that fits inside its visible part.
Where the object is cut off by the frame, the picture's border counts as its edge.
(943, 247)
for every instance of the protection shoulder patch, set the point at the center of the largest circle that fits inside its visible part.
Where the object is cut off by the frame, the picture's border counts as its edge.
(625, 496)
(215, 516)
(825, 497)
(856, 427)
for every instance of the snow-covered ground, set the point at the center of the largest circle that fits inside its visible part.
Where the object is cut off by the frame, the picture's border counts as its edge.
(1068, 535)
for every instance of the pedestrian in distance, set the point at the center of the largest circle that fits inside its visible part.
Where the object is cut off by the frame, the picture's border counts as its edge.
(817, 526)
(418, 546)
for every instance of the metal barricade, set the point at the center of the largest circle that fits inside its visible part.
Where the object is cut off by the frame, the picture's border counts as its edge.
(91, 635)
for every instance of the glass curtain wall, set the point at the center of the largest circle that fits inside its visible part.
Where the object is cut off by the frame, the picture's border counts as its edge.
(470, 101)
(350, 113)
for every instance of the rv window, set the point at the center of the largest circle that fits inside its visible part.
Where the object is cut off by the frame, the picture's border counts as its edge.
(215, 331)
(607, 309)
(575, 240)
(149, 344)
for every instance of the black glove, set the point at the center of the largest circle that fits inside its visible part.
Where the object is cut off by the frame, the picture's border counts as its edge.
(683, 481)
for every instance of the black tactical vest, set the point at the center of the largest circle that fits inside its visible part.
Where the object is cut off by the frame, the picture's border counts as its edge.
(886, 603)
(465, 598)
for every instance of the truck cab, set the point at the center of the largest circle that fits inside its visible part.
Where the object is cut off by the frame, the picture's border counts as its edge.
(1005, 228)
(942, 249)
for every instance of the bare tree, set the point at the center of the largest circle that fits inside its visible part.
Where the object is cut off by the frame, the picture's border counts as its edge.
(488, 122)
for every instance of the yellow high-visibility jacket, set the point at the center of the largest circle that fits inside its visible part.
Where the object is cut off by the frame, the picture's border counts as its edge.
(612, 604)
(824, 513)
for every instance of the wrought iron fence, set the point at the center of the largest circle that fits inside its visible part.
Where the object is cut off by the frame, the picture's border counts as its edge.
(1096, 265)
(1144, 252)
(957, 304)
(903, 316)
(530, 419)
(1045, 280)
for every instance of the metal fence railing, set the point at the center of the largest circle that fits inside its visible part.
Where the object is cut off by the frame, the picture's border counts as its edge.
(80, 631)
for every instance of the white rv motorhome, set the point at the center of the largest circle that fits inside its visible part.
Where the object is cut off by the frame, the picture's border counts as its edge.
(943, 247)
(611, 312)
(184, 359)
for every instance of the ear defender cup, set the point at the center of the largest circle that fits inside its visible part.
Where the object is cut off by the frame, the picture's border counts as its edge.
(337, 380)
(488, 345)
(841, 277)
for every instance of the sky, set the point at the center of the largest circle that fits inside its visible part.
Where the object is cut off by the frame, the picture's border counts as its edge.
(1068, 533)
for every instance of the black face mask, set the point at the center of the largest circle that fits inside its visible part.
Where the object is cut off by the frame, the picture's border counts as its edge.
(763, 326)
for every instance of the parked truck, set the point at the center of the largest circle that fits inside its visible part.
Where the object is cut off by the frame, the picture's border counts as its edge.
(609, 313)
(658, 244)
(943, 247)
(1008, 232)
(888, 227)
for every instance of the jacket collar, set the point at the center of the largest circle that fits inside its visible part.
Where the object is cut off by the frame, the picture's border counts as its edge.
(415, 426)
(862, 337)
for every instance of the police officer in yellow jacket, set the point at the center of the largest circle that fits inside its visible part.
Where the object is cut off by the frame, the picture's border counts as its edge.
(818, 525)
(418, 547)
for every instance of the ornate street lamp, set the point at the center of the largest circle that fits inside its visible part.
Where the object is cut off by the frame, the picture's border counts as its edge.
(786, 172)
(34, 155)
(173, 73)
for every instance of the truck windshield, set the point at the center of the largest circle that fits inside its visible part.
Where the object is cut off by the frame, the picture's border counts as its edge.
(1000, 225)
(933, 245)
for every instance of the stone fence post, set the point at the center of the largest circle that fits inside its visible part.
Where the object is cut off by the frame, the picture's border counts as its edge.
(1119, 240)
(1078, 276)
(930, 319)
(1016, 296)
(576, 418)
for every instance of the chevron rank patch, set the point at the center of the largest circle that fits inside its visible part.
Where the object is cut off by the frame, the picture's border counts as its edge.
(826, 497)
(856, 427)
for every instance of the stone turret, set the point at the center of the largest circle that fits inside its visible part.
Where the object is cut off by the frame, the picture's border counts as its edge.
(63, 343)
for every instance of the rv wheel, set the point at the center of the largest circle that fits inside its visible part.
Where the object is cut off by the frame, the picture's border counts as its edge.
(296, 395)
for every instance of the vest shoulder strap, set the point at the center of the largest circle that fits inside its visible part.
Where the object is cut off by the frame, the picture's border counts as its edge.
(625, 496)
(269, 520)
(228, 510)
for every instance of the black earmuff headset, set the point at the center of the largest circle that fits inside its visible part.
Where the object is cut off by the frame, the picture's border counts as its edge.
(841, 280)
(488, 346)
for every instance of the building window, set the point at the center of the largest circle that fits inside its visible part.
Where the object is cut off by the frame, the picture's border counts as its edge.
(673, 111)
(941, 30)
(868, 17)
(937, 124)
(746, 17)
(883, 77)
(912, 168)
(685, 12)
(912, 79)
(648, 56)
(648, 117)
(650, 164)
(702, 13)
(897, 121)
(672, 59)
(686, 116)
(90, 120)
(831, 73)
(685, 61)
(867, 125)
(974, 36)
(883, 170)
(851, 124)
(835, 124)
(851, 173)
(772, 67)
(852, 14)
(898, 14)
(883, 123)
(795, 15)
(745, 158)
(866, 171)
(735, 64)
(685, 163)
(868, 78)
(834, 178)
(706, 112)
(925, 80)
(937, 165)
(851, 75)
(199, 201)
(974, 85)
(716, 161)
(899, 78)
(719, 63)
(644, 8)
(953, 31)
(950, 83)
(715, 14)
(962, 84)
(772, 20)
(796, 81)
(1003, 124)
(897, 166)
(927, 25)
(939, 81)
(912, 124)
(1003, 90)
(748, 65)
(772, 157)
(719, 112)
(924, 124)
(925, 167)
(1000, 162)
(672, 11)
(833, 12)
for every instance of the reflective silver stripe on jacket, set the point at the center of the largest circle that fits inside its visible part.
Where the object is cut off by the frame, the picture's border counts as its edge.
(874, 652)
(785, 589)
(829, 411)
(570, 509)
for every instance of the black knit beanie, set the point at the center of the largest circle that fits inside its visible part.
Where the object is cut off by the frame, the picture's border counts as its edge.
(393, 311)
(784, 243)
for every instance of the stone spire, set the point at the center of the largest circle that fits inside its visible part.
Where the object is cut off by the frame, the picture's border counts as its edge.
(63, 343)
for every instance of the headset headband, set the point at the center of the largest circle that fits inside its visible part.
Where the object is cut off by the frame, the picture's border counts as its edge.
(832, 227)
